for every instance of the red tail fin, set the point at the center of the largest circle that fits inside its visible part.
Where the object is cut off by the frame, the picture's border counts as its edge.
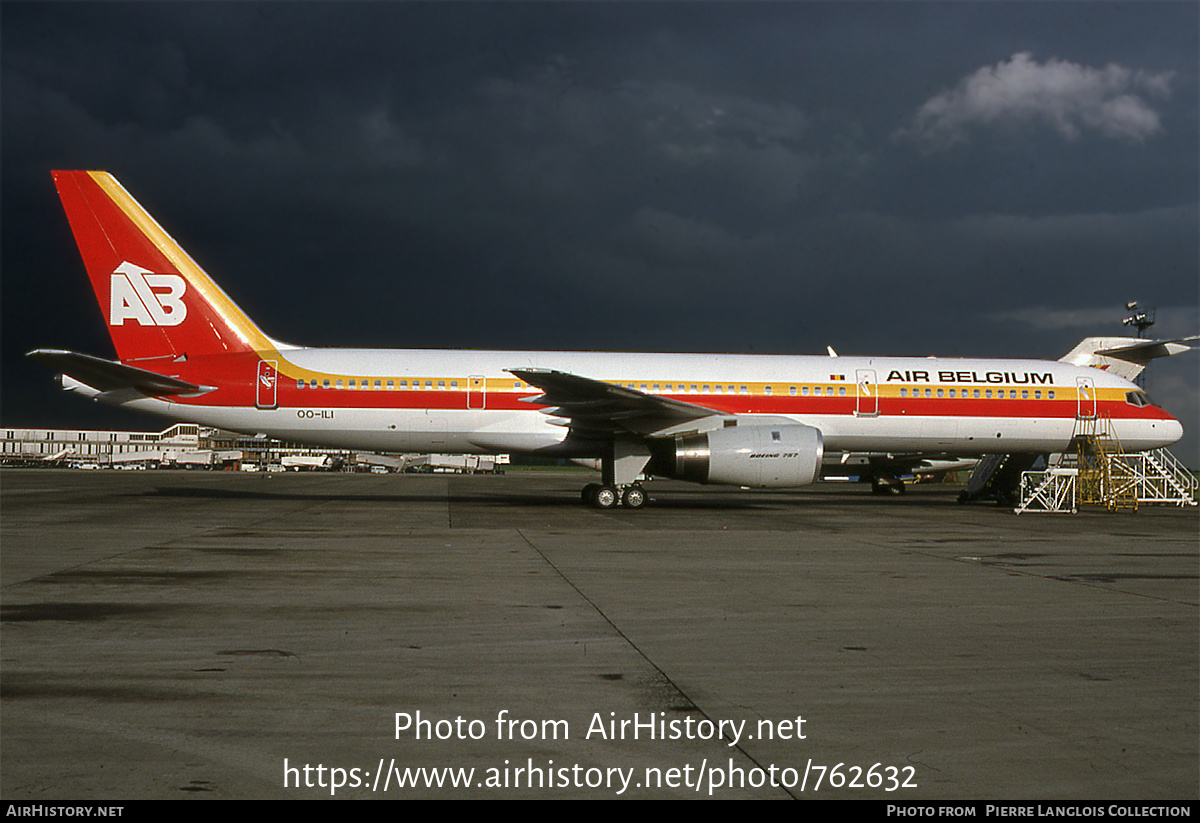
(156, 301)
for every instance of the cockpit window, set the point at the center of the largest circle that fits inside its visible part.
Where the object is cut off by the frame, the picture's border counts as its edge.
(1137, 398)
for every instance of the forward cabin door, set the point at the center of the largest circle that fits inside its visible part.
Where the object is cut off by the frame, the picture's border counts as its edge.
(867, 391)
(1085, 390)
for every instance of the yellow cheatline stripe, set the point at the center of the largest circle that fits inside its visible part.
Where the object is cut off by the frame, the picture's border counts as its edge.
(237, 320)
(780, 390)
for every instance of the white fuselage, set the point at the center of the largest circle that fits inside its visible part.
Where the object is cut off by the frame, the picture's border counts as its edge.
(466, 402)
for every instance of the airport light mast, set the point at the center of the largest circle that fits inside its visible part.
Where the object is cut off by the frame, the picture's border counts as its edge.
(1141, 319)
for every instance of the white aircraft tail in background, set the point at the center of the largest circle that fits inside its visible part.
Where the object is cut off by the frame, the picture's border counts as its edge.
(1125, 356)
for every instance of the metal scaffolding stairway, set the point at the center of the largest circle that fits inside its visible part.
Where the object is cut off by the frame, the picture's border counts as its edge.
(1104, 478)
(1052, 490)
(1159, 477)
(1097, 471)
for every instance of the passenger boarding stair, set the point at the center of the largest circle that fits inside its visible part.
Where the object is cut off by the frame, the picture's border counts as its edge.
(1105, 478)
(997, 477)
(1097, 471)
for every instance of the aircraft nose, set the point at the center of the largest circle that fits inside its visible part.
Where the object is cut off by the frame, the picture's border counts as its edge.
(1167, 431)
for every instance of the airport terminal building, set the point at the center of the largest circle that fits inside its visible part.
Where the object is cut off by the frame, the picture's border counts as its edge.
(191, 446)
(100, 447)
(183, 445)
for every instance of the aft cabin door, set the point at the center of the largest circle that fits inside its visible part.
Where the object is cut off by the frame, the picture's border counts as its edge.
(267, 385)
(868, 393)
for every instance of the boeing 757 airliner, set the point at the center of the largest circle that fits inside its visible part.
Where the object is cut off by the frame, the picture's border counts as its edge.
(185, 350)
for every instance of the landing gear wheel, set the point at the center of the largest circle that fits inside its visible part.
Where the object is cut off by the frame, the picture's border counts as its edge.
(605, 498)
(588, 494)
(634, 497)
(888, 486)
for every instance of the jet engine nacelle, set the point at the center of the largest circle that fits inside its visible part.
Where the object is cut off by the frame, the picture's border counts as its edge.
(773, 456)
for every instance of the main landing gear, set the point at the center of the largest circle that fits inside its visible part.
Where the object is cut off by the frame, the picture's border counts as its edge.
(619, 471)
(606, 496)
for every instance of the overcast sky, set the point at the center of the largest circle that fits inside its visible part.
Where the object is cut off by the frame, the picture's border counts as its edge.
(974, 179)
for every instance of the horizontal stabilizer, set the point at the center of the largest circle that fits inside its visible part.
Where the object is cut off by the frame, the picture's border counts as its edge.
(108, 375)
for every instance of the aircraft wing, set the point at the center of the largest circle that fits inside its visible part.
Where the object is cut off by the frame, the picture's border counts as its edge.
(594, 407)
(109, 375)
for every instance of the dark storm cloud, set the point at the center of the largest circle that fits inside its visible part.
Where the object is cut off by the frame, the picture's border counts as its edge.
(889, 178)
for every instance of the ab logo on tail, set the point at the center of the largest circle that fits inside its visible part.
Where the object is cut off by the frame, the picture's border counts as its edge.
(133, 297)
